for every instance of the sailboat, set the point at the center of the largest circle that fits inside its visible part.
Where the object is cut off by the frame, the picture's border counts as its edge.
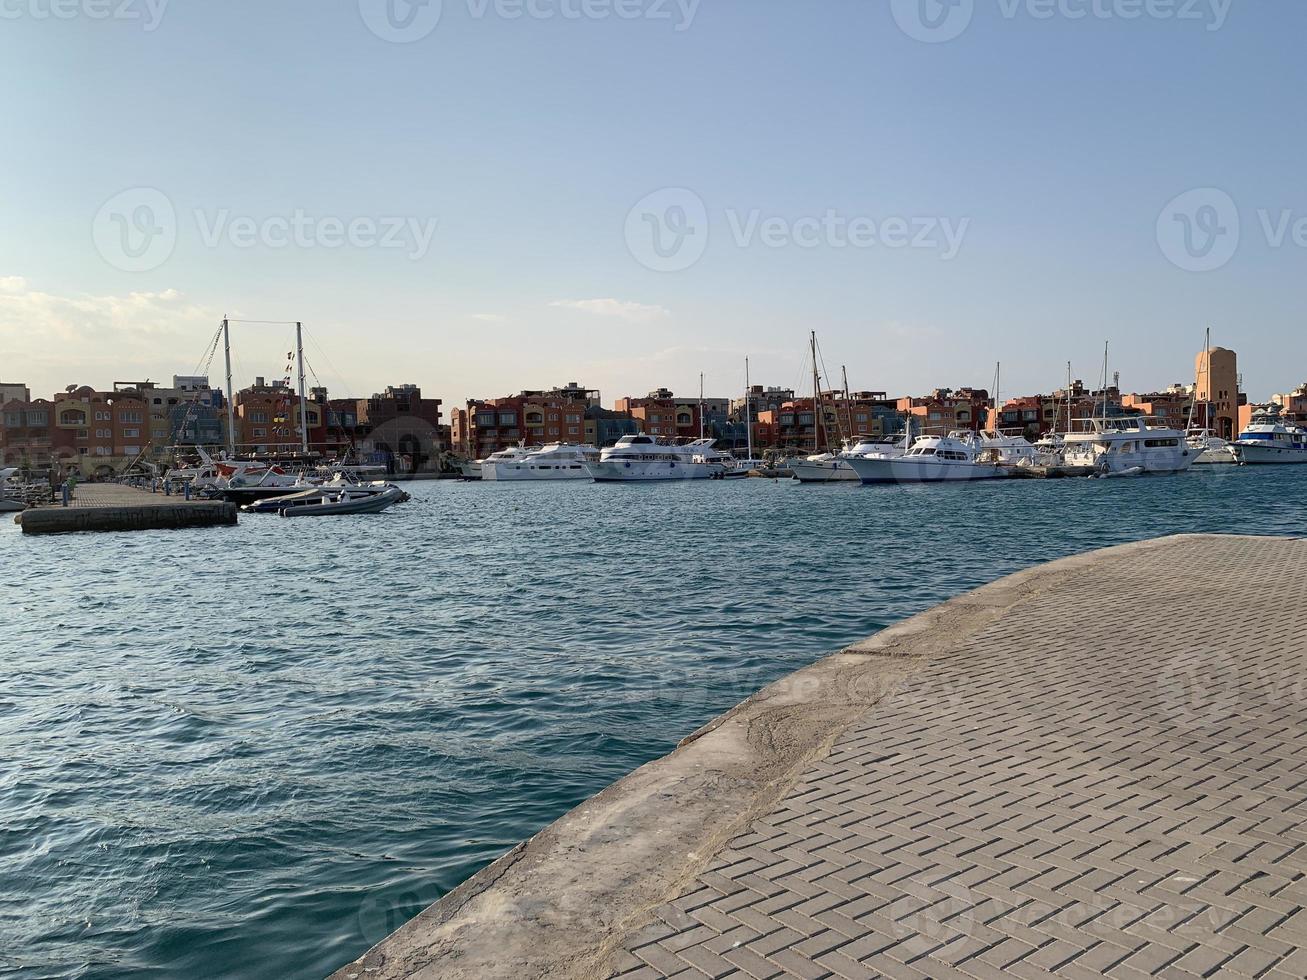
(1212, 449)
(739, 468)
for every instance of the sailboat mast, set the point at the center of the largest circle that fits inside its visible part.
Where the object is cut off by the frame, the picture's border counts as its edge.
(1105, 360)
(998, 367)
(231, 401)
(304, 422)
(1068, 396)
(748, 412)
(816, 397)
(848, 405)
(700, 404)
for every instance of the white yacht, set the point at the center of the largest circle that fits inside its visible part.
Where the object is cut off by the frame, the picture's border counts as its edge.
(513, 454)
(1003, 447)
(1269, 439)
(557, 461)
(834, 467)
(471, 468)
(1129, 445)
(642, 457)
(1211, 449)
(930, 460)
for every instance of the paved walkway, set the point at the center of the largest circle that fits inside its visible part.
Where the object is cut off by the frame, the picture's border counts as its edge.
(1098, 768)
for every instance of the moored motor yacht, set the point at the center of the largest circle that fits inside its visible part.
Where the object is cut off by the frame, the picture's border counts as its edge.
(1270, 440)
(1211, 449)
(931, 459)
(642, 457)
(557, 461)
(1122, 444)
(511, 455)
(834, 467)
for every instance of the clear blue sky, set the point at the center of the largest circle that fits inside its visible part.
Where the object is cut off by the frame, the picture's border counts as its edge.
(1057, 140)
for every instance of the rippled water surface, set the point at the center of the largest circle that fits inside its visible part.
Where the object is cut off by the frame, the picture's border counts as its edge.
(253, 751)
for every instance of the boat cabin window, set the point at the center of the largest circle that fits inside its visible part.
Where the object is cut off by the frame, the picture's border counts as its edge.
(1160, 443)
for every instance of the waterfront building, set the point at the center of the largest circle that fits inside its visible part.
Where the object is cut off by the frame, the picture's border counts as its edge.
(947, 410)
(1175, 406)
(268, 419)
(14, 392)
(1292, 406)
(400, 429)
(26, 432)
(532, 417)
(1218, 393)
(661, 413)
(604, 426)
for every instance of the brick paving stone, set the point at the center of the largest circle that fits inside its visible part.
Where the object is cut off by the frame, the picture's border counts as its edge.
(1111, 779)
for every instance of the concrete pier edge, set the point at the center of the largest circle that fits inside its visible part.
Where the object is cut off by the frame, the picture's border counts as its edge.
(562, 903)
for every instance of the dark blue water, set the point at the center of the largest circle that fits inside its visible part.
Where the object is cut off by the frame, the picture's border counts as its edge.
(252, 752)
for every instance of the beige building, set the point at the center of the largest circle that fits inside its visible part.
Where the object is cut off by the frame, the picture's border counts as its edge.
(1217, 372)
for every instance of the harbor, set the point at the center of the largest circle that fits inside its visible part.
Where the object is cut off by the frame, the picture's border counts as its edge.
(115, 507)
(321, 757)
(959, 795)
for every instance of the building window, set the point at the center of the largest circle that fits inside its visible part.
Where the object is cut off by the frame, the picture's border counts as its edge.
(82, 434)
(103, 434)
(102, 451)
(129, 416)
(486, 418)
(83, 451)
(131, 433)
(573, 419)
(131, 450)
(102, 416)
(260, 433)
(258, 416)
(35, 419)
(507, 418)
(573, 430)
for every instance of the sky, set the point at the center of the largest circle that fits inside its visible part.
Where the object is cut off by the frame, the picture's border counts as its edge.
(485, 196)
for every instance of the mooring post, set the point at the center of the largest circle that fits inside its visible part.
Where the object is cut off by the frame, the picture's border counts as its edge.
(186, 489)
(66, 492)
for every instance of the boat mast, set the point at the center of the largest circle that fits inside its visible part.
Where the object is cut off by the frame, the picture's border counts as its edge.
(700, 404)
(848, 406)
(1105, 346)
(304, 424)
(1068, 396)
(998, 367)
(231, 402)
(748, 412)
(816, 397)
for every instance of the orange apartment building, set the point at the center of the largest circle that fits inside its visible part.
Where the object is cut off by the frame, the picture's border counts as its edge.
(535, 418)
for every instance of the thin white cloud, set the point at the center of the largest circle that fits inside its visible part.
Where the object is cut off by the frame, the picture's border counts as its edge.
(622, 309)
(55, 340)
(490, 317)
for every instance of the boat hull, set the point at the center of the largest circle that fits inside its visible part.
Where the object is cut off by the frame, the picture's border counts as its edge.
(1222, 455)
(823, 471)
(1248, 455)
(621, 471)
(904, 470)
(372, 504)
(521, 472)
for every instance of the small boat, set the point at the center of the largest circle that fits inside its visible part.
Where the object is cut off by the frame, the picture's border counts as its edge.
(350, 500)
(314, 494)
(471, 468)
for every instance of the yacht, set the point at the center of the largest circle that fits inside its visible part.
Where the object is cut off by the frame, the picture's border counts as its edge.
(738, 468)
(471, 468)
(1211, 449)
(1129, 445)
(1270, 439)
(834, 467)
(557, 461)
(511, 455)
(930, 460)
(1003, 447)
(642, 457)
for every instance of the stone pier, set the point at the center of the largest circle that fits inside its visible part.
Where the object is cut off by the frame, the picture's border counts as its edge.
(113, 507)
(1097, 767)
